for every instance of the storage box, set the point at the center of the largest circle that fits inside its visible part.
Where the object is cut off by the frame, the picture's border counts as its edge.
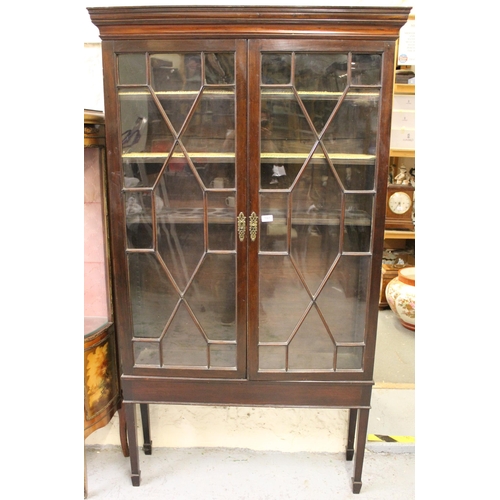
(403, 118)
(403, 101)
(402, 138)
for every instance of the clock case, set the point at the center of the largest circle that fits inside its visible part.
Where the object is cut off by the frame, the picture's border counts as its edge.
(399, 221)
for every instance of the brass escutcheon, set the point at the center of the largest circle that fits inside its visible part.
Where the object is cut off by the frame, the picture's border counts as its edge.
(254, 223)
(242, 225)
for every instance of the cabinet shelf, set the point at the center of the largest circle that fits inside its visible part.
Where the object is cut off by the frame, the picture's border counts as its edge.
(227, 216)
(206, 157)
(282, 93)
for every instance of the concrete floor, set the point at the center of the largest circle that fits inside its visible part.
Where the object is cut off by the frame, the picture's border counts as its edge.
(184, 473)
(237, 474)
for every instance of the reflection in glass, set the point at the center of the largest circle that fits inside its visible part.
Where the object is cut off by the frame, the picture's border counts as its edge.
(316, 211)
(366, 69)
(353, 129)
(320, 72)
(283, 298)
(180, 225)
(152, 295)
(342, 300)
(356, 177)
(284, 128)
(221, 221)
(358, 217)
(135, 109)
(210, 127)
(212, 296)
(138, 210)
(132, 69)
(219, 68)
(276, 68)
(273, 222)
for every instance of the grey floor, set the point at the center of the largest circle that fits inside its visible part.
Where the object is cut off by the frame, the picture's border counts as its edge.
(221, 473)
(232, 473)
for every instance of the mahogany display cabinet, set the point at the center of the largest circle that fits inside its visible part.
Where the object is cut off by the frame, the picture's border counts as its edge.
(247, 152)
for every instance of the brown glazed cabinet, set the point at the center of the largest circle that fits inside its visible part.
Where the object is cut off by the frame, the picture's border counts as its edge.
(247, 157)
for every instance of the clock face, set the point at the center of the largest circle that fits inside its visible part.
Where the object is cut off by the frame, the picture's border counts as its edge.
(400, 203)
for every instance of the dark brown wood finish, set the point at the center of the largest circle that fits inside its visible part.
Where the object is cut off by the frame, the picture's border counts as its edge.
(246, 31)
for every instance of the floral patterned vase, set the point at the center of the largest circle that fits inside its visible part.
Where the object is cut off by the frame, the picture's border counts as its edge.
(400, 294)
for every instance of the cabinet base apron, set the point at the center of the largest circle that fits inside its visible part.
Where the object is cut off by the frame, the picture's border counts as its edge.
(248, 393)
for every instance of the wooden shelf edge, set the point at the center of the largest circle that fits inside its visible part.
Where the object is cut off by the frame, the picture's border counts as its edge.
(402, 153)
(394, 234)
(404, 88)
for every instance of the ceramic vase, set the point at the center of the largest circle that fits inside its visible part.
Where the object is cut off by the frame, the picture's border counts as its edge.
(400, 294)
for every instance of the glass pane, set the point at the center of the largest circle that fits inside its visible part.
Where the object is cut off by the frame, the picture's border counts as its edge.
(141, 172)
(180, 222)
(152, 294)
(273, 222)
(132, 69)
(349, 358)
(366, 69)
(342, 300)
(167, 72)
(320, 72)
(184, 344)
(316, 209)
(353, 129)
(272, 357)
(276, 68)
(219, 68)
(283, 299)
(211, 128)
(190, 65)
(356, 177)
(178, 136)
(284, 127)
(135, 109)
(318, 144)
(358, 220)
(221, 221)
(212, 296)
(312, 347)
(147, 353)
(223, 355)
(138, 210)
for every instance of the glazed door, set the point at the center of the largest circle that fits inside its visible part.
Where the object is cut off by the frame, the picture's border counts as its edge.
(315, 114)
(181, 110)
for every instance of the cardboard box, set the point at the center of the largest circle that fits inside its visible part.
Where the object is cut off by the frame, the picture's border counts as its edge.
(402, 138)
(402, 118)
(403, 101)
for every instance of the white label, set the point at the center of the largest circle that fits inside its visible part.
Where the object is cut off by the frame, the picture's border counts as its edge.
(267, 218)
